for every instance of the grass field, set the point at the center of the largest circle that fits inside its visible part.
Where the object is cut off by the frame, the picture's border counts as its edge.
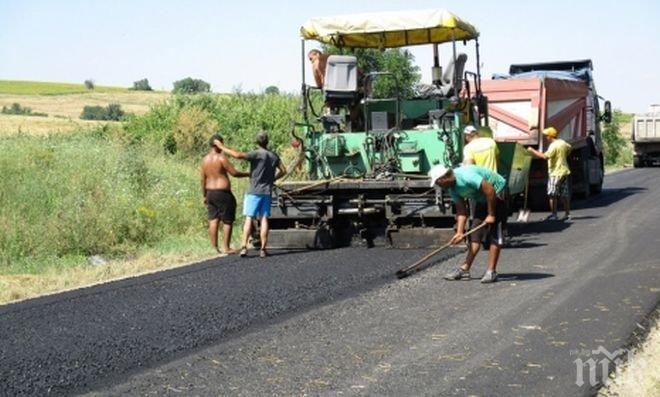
(66, 198)
(16, 87)
(64, 110)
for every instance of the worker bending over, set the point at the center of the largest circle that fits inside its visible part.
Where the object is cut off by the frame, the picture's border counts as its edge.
(488, 190)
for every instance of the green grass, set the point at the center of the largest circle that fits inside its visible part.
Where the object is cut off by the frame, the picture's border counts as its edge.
(16, 87)
(64, 198)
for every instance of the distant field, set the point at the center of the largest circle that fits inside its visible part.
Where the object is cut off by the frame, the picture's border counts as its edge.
(64, 103)
(48, 88)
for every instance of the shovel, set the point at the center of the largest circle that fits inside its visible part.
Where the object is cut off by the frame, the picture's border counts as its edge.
(523, 214)
(407, 271)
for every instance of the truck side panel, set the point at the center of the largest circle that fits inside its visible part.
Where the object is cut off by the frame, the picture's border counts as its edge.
(518, 105)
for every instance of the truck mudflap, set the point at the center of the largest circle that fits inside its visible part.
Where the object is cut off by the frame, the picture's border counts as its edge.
(398, 213)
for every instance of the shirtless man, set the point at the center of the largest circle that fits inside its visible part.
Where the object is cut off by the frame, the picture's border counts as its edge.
(319, 61)
(219, 200)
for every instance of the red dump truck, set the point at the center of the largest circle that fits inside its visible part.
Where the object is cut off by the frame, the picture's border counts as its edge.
(558, 94)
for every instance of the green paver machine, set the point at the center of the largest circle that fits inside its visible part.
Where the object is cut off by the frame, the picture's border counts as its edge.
(368, 185)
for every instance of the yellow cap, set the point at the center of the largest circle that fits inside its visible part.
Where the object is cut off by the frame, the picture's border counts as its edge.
(550, 131)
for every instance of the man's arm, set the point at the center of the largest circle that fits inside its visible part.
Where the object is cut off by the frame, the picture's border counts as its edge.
(231, 170)
(233, 153)
(281, 170)
(536, 153)
(489, 192)
(461, 220)
(203, 174)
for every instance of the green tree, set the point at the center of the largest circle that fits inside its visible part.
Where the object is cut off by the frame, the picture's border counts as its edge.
(141, 85)
(397, 61)
(272, 90)
(616, 148)
(191, 86)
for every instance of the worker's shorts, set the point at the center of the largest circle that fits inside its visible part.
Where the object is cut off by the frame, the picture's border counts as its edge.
(558, 186)
(221, 204)
(494, 233)
(256, 205)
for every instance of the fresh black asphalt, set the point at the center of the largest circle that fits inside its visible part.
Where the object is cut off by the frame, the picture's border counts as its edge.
(67, 342)
(339, 323)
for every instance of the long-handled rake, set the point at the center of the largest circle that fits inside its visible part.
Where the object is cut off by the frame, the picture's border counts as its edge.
(407, 271)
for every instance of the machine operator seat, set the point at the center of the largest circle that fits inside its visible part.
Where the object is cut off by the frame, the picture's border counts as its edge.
(453, 70)
(340, 87)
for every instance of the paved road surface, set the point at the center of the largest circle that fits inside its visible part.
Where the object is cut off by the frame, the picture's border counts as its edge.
(339, 323)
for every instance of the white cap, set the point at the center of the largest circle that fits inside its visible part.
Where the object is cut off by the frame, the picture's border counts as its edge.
(469, 130)
(437, 172)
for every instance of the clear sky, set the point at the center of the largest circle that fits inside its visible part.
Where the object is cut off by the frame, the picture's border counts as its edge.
(254, 44)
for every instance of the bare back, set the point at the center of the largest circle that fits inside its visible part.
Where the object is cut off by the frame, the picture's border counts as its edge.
(318, 69)
(215, 171)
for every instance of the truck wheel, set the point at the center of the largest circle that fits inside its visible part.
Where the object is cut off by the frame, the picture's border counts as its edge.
(637, 162)
(596, 188)
(538, 199)
(582, 174)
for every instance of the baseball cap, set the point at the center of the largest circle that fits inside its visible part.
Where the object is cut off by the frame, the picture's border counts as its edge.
(469, 130)
(550, 131)
(437, 172)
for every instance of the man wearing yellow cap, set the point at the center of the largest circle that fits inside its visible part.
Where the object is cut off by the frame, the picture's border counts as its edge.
(558, 171)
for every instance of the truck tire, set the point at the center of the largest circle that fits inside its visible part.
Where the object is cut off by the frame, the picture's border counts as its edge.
(581, 176)
(637, 162)
(596, 188)
(538, 199)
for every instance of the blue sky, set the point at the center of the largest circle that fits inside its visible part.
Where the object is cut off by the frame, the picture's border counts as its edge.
(254, 44)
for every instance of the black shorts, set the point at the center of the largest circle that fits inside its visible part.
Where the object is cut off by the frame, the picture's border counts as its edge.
(221, 204)
(491, 234)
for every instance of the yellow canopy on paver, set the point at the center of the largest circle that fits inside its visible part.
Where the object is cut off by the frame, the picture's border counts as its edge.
(388, 29)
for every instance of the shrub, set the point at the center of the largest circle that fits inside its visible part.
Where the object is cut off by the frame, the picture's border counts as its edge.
(191, 86)
(112, 112)
(238, 117)
(89, 84)
(141, 85)
(17, 109)
(192, 130)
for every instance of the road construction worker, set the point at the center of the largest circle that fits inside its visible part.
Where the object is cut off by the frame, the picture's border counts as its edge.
(480, 150)
(265, 168)
(319, 62)
(488, 190)
(558, 172)
(218, 198)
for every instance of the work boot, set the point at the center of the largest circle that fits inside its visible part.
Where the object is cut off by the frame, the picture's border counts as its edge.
(489, 277)
(457, 274)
